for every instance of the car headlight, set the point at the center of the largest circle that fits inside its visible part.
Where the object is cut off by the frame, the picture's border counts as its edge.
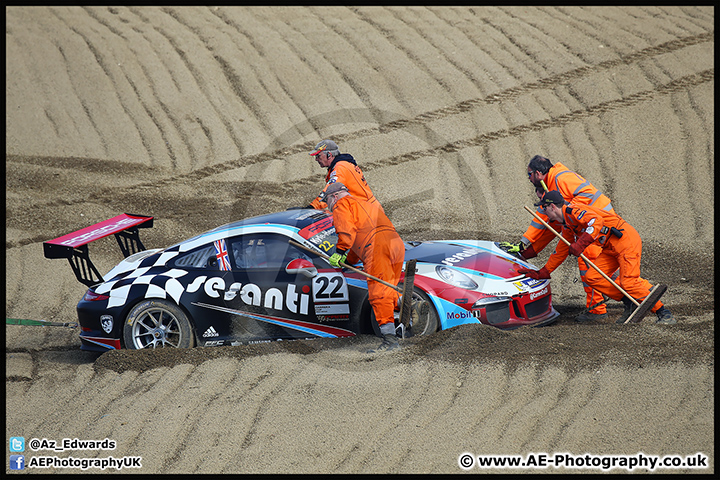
(456, 278)
(489, 301)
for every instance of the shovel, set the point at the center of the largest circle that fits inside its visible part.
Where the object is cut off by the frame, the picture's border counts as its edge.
(642, 308)
(349, 267)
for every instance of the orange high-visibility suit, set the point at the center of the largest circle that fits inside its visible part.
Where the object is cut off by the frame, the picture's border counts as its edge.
(345, 170)
(572, 187)
(622, 253)
(364, 229)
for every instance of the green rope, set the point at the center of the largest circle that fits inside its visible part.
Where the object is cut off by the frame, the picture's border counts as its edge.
(42, 323)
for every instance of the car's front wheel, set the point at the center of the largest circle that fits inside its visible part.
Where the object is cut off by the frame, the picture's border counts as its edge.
(425, 321)
(157, 323)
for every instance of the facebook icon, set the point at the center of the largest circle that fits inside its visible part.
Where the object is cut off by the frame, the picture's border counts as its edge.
(17, 462)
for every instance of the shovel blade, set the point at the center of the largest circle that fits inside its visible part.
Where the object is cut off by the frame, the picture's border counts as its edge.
(407, 293)
(647, 304)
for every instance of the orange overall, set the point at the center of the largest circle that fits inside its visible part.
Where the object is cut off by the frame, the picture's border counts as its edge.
(364, 229)
(575, 188)
(350, 175)
(622, 253)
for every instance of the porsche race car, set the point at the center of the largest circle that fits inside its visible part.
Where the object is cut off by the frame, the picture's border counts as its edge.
(246, 282)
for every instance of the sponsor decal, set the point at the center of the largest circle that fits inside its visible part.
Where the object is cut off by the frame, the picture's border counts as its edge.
(317, 227)
(462, 315)
(498, 294)
(460, 256)
(332, 318)
(210, 332)
(106, 322)
(331, 309)
(196, 284)
(99, 232)
(321, 239)
(528, 282)
(251, 294)
(535, 295)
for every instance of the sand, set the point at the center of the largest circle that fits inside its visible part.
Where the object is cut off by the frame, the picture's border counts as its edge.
(204, 115)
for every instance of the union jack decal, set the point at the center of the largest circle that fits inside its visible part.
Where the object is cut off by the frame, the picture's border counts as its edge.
(221, 254)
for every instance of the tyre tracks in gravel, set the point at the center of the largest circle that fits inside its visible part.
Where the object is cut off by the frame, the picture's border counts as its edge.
(92, 192)
(166, 407)
(509, 413)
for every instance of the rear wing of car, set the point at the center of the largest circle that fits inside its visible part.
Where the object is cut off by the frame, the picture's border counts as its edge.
(74, 246)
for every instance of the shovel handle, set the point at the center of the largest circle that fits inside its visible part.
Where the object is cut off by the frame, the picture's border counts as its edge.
(345, 265)
(604, 275)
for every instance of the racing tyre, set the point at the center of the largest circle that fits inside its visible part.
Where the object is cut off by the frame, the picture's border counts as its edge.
(426, 322)
(157, 323)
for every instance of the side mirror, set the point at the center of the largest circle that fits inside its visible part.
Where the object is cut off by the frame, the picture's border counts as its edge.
(301, 266)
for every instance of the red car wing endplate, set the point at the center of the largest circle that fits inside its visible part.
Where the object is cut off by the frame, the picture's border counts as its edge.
(73, 246)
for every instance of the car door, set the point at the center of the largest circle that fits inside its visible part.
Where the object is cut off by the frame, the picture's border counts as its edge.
(274, 288)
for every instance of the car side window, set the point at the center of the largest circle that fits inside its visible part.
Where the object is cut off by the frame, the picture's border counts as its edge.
(203, 257)
(255, 251)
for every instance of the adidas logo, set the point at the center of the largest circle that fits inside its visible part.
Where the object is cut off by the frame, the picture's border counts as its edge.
(210, 332)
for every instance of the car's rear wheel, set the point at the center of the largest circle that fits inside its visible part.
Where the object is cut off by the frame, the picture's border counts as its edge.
(427, 320)
(157, 323)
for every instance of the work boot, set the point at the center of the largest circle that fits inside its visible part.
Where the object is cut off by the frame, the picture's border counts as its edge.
(629, 309)
(665, 317)
(589, 317)
(390, 342)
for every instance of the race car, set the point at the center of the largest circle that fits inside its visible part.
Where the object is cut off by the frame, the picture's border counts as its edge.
(267, 278)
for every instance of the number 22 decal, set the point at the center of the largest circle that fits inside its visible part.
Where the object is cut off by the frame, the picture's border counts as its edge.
(330, 287)
(326, 246)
